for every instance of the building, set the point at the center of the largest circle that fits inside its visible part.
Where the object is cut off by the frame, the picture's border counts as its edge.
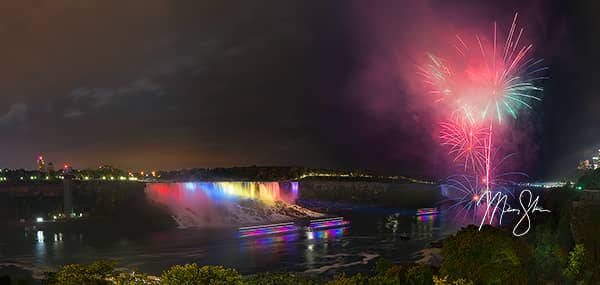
(590, 164)
(50, 167)
(41, 165)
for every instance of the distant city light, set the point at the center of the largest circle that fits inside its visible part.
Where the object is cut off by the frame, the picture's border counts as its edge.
(39, 219)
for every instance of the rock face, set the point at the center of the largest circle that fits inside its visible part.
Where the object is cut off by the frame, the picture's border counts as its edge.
(243, 213)
(431, 257)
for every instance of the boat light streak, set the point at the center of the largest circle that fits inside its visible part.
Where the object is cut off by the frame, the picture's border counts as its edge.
(327, 223)
(427, 211)
(267, 229)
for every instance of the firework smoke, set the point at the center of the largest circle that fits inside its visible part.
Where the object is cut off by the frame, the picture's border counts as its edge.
(489, 80)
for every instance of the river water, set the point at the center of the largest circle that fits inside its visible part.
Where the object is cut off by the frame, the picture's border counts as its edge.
(373, 232)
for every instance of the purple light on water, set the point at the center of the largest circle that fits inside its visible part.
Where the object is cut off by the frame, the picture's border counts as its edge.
(275, 239)
(426, 218)
(329, 233)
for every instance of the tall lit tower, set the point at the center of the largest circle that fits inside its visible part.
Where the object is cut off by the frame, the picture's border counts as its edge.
(41, 165)
(68, 190)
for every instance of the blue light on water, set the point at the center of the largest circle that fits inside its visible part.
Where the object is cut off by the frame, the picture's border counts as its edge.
(326, 234)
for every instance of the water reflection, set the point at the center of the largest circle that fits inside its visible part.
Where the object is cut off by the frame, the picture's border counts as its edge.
(424, 227)
(326, 234)
(426, 219)
(421, 226)
(275, 239)
(40, 245)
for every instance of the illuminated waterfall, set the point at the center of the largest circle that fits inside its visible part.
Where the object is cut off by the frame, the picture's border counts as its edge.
(205, 204)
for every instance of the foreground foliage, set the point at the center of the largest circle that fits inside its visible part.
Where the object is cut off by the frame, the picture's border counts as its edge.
(191, 274)
(103, 272)
(486, 256)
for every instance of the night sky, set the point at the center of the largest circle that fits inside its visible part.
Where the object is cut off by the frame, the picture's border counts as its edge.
(179, 84)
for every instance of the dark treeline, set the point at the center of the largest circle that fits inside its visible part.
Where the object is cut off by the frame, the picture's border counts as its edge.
(242, 173)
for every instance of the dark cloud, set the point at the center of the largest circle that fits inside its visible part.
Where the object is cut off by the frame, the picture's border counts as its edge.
(162, 84)
(74, 114)
(14, 116)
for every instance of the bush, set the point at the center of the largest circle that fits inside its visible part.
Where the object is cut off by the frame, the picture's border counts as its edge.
(382, 266)
(135, 279)
(191, 274)
(283, 278)
(419, 275)
(484, 257)
(575, 265)
(357, 279)
(77, 274)
(444, 281)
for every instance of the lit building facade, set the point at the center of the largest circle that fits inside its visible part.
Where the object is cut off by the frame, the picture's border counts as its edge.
(41, 164)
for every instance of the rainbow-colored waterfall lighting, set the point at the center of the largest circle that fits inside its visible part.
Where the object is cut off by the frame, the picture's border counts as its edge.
(427, 211)
(267, 229)
(203, 204)
(327, 223)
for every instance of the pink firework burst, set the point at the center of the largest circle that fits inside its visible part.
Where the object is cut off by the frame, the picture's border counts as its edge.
(487, 79)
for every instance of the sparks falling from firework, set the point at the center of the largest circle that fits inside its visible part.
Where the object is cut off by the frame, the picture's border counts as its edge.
(465, 192)
(467, 143)
(485, 82)
(468, 194)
